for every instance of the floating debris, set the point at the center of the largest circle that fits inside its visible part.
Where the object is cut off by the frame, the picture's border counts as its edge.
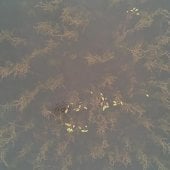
(67, 109)
(101, 94)
(69, 130)
(102, 98)
(114, 103)
(70, 127)
(68, 124)
(106, 106)
(78, 108)
(84, 131)
(79, 127)
(147, 95)
(134, 11)
(121, 103)
(85, 107)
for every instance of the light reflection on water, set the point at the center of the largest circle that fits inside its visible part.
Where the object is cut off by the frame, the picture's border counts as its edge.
(84, 85)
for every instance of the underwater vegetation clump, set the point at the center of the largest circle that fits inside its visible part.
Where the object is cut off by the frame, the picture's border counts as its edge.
(85, 85)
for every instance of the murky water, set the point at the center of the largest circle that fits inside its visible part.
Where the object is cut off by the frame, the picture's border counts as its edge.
(84, 85)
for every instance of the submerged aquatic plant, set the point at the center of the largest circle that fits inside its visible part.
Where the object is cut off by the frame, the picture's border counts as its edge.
(84, 85)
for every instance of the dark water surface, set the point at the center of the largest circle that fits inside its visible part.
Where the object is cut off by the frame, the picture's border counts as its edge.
(84, 85)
